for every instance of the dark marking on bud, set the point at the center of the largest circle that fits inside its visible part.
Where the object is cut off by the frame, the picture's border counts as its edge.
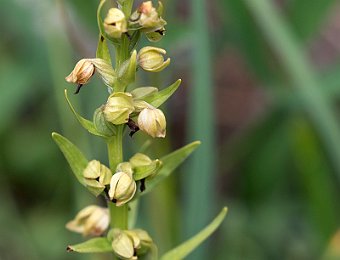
(78, 88)
(69, 249)
(133, 127)
(142, 185)
(161, 32)
(114, 201)
(128, 35)
(113, 24)
(101, 38)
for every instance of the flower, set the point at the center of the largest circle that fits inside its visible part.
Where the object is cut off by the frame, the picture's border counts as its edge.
(85, 68)
(92, 220)
(82, 72)
(122, 188)
(115, 23)
(152, 121)
(118, 108)
(152, 59)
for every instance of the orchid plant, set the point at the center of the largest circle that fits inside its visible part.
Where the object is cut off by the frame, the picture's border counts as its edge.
(125, 181)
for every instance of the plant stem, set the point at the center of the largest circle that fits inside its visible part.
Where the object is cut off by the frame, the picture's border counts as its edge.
(119, 215)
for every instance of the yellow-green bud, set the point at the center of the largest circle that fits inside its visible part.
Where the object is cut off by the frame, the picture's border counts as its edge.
(152, 121)
(140, 159)
(124, 167)
(143, 166)
(118, 108)
(115, 23)
(145, 241)
(92, 220)
(152, 59)
(82, 72)
(122, 188)
(149, 17)
(97, 171)
(155, 36)
(122, 245)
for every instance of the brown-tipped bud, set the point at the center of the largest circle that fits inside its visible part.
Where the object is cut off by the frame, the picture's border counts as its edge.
(149, 17)
(82, 72)
(152, 121)
(115, 23)
(152, 59)
(92, 220)
(118, 108)
(122, 188)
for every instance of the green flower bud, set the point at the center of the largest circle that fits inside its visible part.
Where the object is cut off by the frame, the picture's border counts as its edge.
(152, 59)
(143, 166)
(152, 121)
(92, 220)
(122, 245)
(155, 36)
(102, 126)
(148, 17)
(115, 23)
(122, 188)
(118, 108)
(145, 241)
(97, 172)
(124, 167)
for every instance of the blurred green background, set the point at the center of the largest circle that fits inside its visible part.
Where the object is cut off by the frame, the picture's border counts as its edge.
(261, 88)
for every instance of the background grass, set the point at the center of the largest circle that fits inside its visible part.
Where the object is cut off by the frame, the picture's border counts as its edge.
(260, 89)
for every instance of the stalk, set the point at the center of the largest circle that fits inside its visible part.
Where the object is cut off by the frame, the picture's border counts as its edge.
(119, 215)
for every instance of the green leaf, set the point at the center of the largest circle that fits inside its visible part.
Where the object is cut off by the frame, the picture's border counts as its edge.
(183, 250)
(87, 124)
(103, 50)
(75, 159)
(170, 163)
(127, 72)
(94, 245)
(160, 97)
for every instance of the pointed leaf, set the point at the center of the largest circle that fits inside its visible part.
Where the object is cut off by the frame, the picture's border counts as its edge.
(160, 97)
(183, 250)
(170, 163)
(103, 50)
(87, 124)
(75, 159)
(94, 245)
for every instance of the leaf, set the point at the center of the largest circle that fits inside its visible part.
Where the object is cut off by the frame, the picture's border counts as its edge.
(75, 159)
(94, 245)
(87, 124)
(170, 163)
(103, 50)
(183, 250)
(160, 97)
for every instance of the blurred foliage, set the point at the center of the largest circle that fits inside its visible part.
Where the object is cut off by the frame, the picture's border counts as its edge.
(278, 173)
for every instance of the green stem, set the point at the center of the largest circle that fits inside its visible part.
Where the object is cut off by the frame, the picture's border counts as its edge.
(119, 215)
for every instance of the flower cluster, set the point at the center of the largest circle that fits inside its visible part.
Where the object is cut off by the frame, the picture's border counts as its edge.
(135, 109)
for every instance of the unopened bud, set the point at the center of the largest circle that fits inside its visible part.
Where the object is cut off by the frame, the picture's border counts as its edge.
(149, 17)
(92, 220)
(152, 121)
(85, 68)
(97, 171)
(122, 245)
(82, 72)
(122, 188)
(118, 108)
(115, 23)
(152, 59)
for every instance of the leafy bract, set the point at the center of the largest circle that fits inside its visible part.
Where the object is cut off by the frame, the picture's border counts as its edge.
(94, 245)
(75, 159)
(87, 124)
(184, 249)
(169, 163)
(160, 97)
